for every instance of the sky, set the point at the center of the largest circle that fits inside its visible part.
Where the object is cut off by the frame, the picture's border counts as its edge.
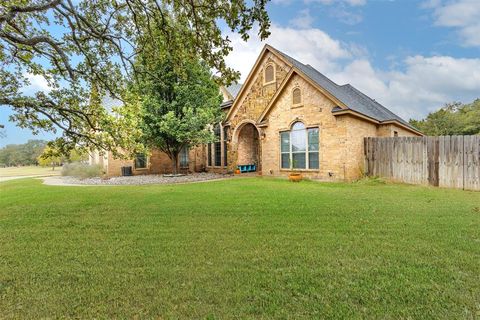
(411, 56)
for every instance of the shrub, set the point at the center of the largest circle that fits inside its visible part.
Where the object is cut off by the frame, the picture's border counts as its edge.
(82, 170)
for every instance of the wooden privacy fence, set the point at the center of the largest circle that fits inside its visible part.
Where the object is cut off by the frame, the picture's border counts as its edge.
(447, 161)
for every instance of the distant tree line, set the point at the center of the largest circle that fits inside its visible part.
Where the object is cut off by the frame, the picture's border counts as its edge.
(36, 152)
(453, 119)
(22, 154)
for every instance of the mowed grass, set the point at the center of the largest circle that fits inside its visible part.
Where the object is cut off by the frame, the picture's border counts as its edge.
(28, 171)
(242, 248)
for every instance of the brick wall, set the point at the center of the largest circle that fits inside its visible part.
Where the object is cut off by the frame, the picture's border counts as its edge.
(248, 145)
(158, 163)
(315, 111)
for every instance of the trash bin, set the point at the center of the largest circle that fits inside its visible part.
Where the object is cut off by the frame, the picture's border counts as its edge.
(126, 171)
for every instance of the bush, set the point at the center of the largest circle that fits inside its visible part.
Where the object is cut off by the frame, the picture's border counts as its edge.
(82, 170)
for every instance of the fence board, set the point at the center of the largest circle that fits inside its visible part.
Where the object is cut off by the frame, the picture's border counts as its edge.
(447, 161)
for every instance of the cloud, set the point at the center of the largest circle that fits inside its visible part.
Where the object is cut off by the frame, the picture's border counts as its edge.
(425, 84)
(303, 20)
(312, 46)
(415, 86)
(346, 16)
(464, 15)
(37, 83)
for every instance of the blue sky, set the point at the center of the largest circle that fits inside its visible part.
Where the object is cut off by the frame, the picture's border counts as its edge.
(412, 56)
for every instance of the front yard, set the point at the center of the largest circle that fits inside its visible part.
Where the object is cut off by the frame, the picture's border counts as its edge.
(241, 248)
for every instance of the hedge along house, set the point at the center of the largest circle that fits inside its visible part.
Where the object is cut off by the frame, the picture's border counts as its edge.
(286, 116)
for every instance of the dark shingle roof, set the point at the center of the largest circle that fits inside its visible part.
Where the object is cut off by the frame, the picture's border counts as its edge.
(349, 95)
(234, 89)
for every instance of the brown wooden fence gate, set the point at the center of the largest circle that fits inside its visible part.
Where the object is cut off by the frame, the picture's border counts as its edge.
(447, 161)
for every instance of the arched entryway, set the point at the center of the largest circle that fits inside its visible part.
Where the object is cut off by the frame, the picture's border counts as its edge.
(248, 146)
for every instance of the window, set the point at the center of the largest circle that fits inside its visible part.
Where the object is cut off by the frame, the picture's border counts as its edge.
(140, 161)
(296, 96)
(299, 147)
(183, 157)
(269, 74)
(209, 154)
(225, 146)
(395, 133)
(218, 146)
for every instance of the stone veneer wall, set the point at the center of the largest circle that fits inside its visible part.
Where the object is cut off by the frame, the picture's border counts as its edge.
(255, 100)
(315, 111)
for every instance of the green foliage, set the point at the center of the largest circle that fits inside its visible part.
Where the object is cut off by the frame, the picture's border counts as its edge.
(453, 119)
(180, 105)
(49, 158)
(251, 248)
(81, 170)
(90, 47)
(21, 154)
(54, 157)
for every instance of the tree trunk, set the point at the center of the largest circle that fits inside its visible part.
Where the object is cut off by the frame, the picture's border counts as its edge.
(174, 158)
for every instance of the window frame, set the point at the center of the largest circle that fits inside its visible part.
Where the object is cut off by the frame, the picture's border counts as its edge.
(307, 151)
(135, 162)
(225, 146)
(217, 146)
(274, 79)
(184, 152)
(299, 104)
(209, 154)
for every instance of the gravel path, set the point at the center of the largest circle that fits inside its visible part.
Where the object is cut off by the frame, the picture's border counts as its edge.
(134, 180)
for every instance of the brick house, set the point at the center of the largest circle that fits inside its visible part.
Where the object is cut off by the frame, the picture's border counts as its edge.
(286, 116)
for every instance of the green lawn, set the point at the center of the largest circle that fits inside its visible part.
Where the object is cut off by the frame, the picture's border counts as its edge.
(241, 248)
(28, 171)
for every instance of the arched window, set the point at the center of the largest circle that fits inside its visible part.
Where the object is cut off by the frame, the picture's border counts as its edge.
(299, 147)
(269, 74)
(296, 96)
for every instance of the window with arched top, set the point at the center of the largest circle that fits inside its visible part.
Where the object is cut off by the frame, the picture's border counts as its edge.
(299, 147)
(296, 96)
(269, 74)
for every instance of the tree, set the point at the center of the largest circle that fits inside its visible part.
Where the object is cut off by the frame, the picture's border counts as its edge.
(81, 46)
(180, 106)
(49, 157)
(452, 119)
(21, 154)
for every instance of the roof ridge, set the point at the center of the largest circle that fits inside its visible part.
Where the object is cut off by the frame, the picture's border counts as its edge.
(376, 102)
(347, 94)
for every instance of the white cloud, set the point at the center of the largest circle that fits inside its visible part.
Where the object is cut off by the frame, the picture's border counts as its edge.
(37, 83)
(312, 46)
(461, 14)
(416, 86)
(303, 20)
(346, 16)
(425, 84)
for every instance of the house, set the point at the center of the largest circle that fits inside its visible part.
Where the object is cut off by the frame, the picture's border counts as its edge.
(286, 116)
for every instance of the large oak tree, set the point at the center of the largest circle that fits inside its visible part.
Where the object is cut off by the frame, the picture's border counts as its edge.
(92, 45)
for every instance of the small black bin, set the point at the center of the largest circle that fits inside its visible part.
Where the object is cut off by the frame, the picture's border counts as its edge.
(127, 171)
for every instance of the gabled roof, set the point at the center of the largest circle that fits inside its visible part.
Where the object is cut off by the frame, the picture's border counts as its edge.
(234, 89)
(351, 97)
(231, 93)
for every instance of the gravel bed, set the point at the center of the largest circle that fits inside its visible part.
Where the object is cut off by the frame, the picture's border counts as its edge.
(146, 179)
